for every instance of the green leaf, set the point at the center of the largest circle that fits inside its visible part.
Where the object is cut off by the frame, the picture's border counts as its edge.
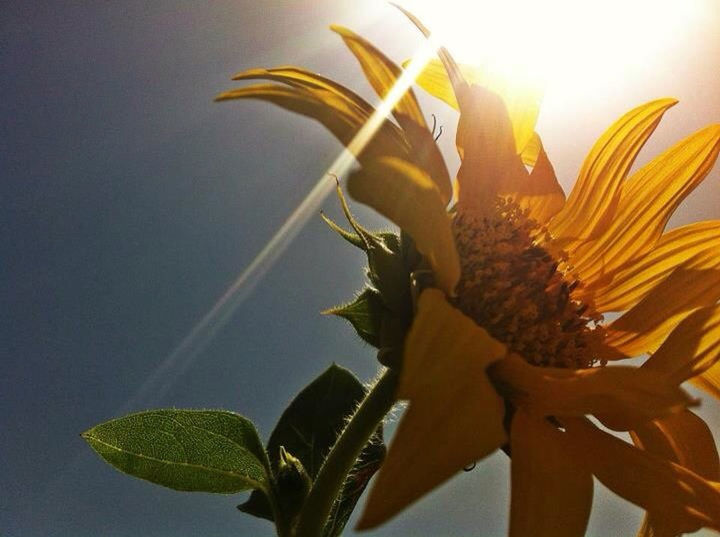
(258, 505)
(311, 423)
(308, 429)
(365, 313)
(192, 450)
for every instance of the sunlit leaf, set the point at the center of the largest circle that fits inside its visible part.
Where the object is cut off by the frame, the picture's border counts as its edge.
(193, 450)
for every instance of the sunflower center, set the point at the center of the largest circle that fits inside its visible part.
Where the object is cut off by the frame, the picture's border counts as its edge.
(518, 292)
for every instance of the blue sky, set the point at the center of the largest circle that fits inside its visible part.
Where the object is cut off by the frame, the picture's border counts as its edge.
(129, 202)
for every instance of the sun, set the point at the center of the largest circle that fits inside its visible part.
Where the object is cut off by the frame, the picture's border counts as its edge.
(558, 43)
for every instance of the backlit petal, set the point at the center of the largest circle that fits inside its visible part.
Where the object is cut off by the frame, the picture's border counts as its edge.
(302, 78)
(709, 381)
(692, 348)
(692, 285)
(490, 165)
(434, 79)
(454, 417)
(650, 529)
(552, 491)
(426, 154)
(381, 72)
(540, 193)
(407, 196)
(522, 101)
(597, 190)
(621, 396)
(683, 438)
(647, 201)
(693, 351)
(452, 70)
(674, 496)
(531, 150)
(337, 114)
(634, 282)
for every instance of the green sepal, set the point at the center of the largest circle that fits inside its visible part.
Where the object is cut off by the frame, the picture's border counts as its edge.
(191, 450)
(308, 429)
(411, 257)
(392, 337)
(363, 234)
(388, 254)
(388, 273)
(352, 238)
(365, 313)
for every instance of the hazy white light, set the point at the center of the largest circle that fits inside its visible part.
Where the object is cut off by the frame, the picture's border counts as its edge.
(558, 42)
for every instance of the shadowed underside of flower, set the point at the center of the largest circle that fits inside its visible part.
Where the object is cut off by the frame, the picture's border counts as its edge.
(508, 347)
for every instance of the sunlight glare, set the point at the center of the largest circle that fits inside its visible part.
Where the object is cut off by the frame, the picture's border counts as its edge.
(558, 42)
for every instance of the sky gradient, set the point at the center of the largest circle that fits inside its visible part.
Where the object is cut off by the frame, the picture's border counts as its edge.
(129, 202)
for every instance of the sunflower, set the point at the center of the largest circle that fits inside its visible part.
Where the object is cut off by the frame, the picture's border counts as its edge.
(508, 348)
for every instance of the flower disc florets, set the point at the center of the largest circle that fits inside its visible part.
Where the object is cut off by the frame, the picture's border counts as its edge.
(520, 293)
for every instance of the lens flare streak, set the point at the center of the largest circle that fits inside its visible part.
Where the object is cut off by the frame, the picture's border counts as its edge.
(198, 339)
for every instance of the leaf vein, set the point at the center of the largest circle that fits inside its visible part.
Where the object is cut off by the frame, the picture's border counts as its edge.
(252, 482)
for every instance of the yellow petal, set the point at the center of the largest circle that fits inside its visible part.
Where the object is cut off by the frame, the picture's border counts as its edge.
(454, 417)
(692, 351)
(302, 78)
(683, 438)
(434, 79)
(426, 154)
(490, 165)
(634, 282)
(692, 285)
(674, 496)
(531, 150)
(540, 193)
(381, 72)
(597, 190)
(337, 114)
(406, 195)
(452, 70)
(647, 201)
(649, 529)
(692, 348)
(621, 396)
(552, 491)
(521, 100)
(709, 381)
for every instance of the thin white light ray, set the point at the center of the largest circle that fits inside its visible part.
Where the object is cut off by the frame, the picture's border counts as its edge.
(198, 339)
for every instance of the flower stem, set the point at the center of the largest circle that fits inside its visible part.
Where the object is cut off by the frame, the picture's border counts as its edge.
(342, 456)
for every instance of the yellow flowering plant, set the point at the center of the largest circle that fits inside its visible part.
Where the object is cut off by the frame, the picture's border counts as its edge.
(487, 312)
